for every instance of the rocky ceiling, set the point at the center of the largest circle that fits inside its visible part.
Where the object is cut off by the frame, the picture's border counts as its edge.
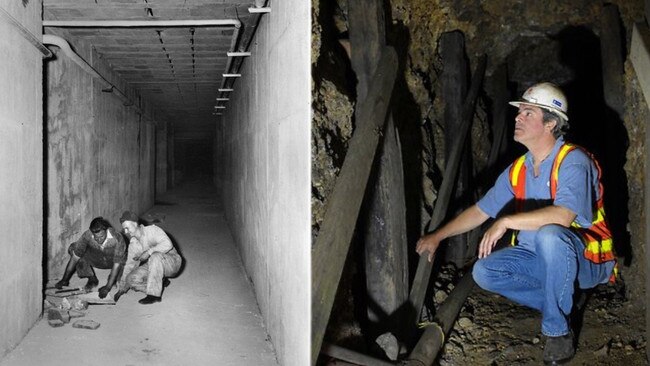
(179, 68)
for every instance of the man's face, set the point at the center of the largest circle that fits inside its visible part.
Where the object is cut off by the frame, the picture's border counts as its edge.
(99, 235)
(129, 227)
(529, 124)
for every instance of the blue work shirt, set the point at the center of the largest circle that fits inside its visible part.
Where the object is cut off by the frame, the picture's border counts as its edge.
(578, 189)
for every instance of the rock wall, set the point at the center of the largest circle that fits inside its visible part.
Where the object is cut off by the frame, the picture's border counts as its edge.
(551, 40)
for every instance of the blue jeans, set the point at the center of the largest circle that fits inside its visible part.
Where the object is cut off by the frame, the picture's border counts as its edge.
(542, 275)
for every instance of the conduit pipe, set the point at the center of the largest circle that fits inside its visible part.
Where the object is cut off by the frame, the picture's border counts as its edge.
(49, 39)
(155, 23)
(31, 38)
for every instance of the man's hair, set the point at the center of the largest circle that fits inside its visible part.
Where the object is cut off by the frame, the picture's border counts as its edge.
(561, 124)
(99, 223)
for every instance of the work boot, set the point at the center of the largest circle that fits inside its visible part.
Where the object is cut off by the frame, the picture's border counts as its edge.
(150, 299)
(559, 350)
(165, 282)
(91, 284)
(61, 284)
(118, 294)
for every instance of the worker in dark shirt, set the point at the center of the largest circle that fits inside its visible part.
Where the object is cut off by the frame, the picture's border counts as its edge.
(99, 247)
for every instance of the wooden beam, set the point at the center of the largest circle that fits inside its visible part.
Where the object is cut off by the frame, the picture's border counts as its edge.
(423, 272)
(500, 97)
(647, 233)
(385, 249)
(454, 81)
(366, 40)
(333, 241)
(386, 252)
(611, 51)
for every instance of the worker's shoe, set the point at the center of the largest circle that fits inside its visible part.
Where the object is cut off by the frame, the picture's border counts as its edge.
(61, 284)
(118, 294)
(91, 284)
(559, 350)
(150, 299)
(166, 282)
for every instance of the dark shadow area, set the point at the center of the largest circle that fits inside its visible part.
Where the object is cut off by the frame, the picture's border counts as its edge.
(597, 127)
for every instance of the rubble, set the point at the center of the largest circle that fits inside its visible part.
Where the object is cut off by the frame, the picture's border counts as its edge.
(86, 324)
(57, 317)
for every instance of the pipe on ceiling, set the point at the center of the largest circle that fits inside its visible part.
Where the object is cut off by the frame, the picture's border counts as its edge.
(25, 33)
(156, 23)
(53, 40)
(141, 23)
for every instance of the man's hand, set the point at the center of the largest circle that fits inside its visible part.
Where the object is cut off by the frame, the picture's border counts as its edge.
(428, 243)
(103, 291)
(142, 257)
(61, 284)
(491, 236)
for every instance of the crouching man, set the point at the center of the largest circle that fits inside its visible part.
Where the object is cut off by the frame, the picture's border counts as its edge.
(99, 247)
(151, 257)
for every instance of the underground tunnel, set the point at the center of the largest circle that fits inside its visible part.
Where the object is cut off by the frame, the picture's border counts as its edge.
(156, 113)
(433, 142)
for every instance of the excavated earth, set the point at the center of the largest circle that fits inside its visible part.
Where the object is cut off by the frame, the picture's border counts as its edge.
(492, 330)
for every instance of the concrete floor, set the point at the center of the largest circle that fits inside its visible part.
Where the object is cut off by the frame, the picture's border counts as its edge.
(208, 316)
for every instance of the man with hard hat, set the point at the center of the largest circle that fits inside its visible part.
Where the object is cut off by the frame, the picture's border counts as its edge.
(552, 199)
(151, 258)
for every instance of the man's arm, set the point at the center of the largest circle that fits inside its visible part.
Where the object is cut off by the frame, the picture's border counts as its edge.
(159, 242)
(134, 249)
(112, 277)
(469, 219)
(531, 220)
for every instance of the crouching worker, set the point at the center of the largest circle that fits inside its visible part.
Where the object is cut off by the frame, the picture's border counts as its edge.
(99, 247)
(151, 257)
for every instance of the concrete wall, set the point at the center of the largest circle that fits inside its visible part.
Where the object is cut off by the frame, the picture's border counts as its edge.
(263, 141)
(161, 160)
(101, 154)
(21, 185)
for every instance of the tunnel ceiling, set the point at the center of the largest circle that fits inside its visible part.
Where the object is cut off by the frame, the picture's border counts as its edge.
(177, 69)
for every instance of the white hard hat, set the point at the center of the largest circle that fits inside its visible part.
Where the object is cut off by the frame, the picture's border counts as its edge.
(547, 96)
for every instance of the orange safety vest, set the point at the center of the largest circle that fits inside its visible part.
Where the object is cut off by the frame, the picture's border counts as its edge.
(597, 238)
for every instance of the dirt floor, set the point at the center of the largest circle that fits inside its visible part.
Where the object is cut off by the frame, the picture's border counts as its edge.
(208, 315)
(491, 330)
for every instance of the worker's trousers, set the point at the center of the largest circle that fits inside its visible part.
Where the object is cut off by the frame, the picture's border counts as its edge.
(542, 275)
(149, 276)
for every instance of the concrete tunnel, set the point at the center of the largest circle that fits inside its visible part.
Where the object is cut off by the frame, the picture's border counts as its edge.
(116, 105)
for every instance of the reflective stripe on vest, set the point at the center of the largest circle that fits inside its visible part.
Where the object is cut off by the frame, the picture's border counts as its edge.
(598, 237)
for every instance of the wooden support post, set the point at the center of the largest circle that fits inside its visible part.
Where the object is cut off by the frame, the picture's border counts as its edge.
(386, 256)
(500, 99)
(332, 245)
(647, 234)
(385, 230)
(423, 273)
(454, 81)
(611, 51)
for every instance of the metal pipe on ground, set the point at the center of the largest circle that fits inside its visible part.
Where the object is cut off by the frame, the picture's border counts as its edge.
(426, 350)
